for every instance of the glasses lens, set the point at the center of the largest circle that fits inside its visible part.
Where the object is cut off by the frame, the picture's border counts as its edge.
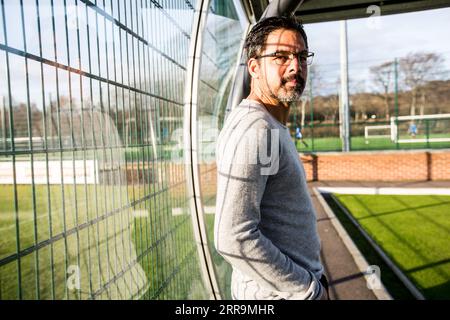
(283, 59)
(286, 59)
(310, 59)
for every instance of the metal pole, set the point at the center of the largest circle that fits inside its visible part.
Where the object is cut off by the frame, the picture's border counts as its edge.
(3, 119)
(280, 7)
(344, 102)
(312, 112)
(396, 102)
(295, 124)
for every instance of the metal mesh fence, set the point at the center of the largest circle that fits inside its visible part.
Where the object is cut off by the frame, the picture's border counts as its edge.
(91, 206)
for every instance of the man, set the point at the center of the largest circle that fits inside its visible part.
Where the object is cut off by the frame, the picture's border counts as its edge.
(412, 130)
(299, 136)
(265, 223)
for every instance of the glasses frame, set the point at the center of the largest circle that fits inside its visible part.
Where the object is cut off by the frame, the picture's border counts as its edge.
(290, 56)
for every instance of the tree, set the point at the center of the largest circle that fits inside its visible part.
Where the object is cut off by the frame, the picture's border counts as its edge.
(417, 69)
(382, 75)
(314, 86)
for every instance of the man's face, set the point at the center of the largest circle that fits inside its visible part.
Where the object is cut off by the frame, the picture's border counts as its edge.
(283, 82)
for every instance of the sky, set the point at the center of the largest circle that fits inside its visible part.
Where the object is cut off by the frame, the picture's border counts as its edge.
(159, 30)
(371, 43)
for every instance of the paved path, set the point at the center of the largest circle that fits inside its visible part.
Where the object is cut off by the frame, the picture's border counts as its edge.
(346, 280)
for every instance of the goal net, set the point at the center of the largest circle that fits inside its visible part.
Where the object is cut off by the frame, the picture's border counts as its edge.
(377, 132)
(420, 128)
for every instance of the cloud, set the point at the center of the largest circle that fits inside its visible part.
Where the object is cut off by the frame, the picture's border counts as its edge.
(396, 36)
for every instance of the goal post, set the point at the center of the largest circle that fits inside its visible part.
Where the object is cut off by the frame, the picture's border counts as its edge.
(380, 131)
(420, 128)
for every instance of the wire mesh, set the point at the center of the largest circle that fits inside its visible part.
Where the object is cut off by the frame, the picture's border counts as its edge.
(384, 85)
(91, 204)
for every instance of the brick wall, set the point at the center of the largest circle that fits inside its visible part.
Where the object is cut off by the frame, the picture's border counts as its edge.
(441, 166)
(353, 166)
(379, 166)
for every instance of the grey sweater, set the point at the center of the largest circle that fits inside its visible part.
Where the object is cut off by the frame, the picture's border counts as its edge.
(265, 224)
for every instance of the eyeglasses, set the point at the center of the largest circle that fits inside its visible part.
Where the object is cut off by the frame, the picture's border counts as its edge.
(284, 58)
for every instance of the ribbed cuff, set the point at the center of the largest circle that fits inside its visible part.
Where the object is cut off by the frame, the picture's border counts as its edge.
(318, 288)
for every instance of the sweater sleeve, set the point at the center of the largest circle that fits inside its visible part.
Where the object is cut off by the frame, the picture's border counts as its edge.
(241, 184)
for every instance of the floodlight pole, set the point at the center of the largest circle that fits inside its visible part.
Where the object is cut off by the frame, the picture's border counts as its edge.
(397, 146)
(344, 109)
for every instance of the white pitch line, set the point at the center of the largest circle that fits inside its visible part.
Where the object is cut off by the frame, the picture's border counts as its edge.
(177, 211)
(140, 213)
(210, 209)
(386, 191)
(206, 209)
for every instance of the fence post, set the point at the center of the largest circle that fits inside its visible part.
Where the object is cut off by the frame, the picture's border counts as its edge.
(397, 146)
(312, 112)
(344, 107)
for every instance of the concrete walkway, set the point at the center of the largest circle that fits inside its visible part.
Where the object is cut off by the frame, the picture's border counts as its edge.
(347, 282)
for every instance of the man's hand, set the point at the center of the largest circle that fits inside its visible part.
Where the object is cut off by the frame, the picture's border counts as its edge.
(324, 295)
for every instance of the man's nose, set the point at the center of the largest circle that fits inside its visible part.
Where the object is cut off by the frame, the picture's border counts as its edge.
(295, 65)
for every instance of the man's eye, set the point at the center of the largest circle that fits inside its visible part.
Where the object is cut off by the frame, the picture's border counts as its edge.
(282, 58)
(303, 56)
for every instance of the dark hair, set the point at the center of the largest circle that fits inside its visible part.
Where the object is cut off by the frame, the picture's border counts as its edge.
(257, 37)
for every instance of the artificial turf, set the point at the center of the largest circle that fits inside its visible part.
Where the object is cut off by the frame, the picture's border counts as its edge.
(414, 231)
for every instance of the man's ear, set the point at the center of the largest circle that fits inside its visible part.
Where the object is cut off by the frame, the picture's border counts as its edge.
(253, 68)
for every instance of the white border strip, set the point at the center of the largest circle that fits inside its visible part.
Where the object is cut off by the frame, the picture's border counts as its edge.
(191, 148)
(361, 262)
(388, 191)
(419, 117)
(423, 140)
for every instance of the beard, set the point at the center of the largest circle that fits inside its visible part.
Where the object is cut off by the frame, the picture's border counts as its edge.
(291, 94)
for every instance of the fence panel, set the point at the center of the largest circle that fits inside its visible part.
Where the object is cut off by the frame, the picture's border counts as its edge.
(91, 205)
